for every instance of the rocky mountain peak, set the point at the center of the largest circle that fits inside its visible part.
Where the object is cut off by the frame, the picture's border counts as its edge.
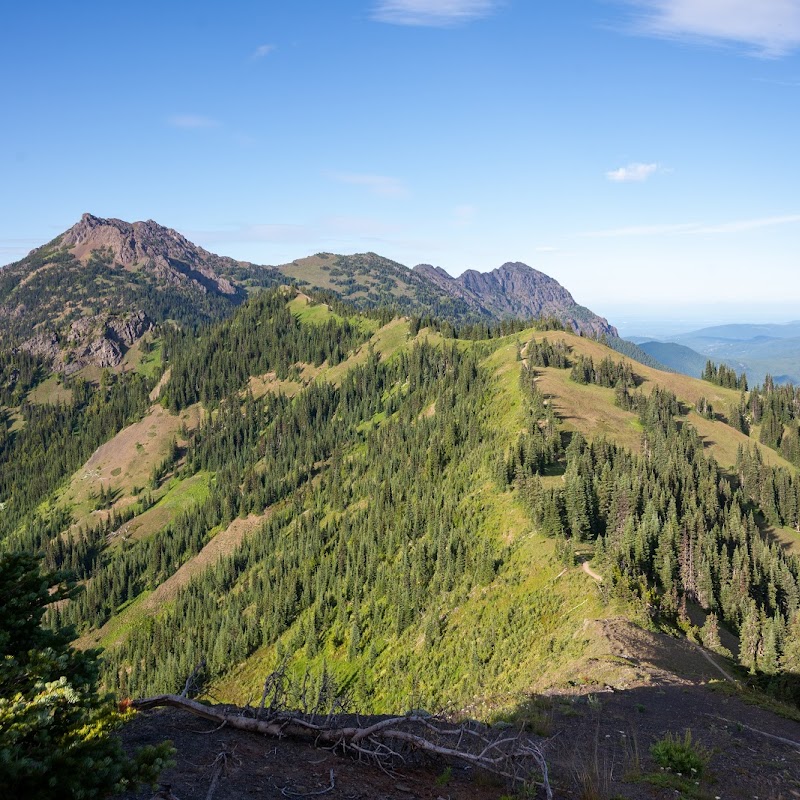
(517, 290)
(148, 245)
(93, 292)
(431, 271)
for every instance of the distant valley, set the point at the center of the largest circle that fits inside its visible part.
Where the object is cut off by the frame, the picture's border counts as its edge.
(758, 350)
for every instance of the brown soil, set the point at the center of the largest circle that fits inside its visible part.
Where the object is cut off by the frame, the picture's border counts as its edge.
(126, 461)
(636, 688)
(224, 543)
(155, 393)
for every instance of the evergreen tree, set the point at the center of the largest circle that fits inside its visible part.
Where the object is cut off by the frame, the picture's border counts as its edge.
(55, 729)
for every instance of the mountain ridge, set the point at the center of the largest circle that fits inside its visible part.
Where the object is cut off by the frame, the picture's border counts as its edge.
(373, 504)
(756, 349)
(90, 294)
(515, 289)
(169, 254)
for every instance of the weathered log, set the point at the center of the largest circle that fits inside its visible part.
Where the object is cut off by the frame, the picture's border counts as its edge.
(509, 756)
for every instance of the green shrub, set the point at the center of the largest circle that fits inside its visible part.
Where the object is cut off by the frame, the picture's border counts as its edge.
(680, 755)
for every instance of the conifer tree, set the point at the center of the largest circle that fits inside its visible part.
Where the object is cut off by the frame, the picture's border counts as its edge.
(56, 736)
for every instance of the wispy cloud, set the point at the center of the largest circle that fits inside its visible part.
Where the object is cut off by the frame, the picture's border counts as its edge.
(737, 226)
(432, 13)
(14, 249)
(261, 51)
(644, 230)
(380, 185)
(360, 226)
(769, 28)
(751, 224)
(632, 173)
(270, 232)
(191, 121)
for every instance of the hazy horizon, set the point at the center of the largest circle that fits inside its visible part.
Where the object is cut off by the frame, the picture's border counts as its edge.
(644, 317)
(665, 321)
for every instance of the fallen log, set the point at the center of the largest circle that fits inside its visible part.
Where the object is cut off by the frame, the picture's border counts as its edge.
(512, 756)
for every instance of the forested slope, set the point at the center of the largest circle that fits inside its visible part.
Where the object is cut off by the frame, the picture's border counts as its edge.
(400, 513)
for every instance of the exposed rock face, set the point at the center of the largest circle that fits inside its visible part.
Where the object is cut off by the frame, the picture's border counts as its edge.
(129, 329)
(45, 345)
(517, 290)
(147, 245)
(100, 341)
(93, 292)
(451, 285)
(102, 352)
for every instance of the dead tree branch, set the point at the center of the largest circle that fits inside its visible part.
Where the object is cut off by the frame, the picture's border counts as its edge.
(514, 757)
(192, 683)
(220, 765)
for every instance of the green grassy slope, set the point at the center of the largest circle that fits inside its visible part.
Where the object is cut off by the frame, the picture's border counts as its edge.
(368, 280)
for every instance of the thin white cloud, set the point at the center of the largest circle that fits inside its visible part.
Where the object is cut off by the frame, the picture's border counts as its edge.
(737, 226)
(768, 28)
(244, 139)
(547, 249)
(14, 252)
(191, 121)
(327, 228)
(432, 13)
(632, 173)
(644, 230)
(381, 185)
(353, 225)
(262, 50)
(751, 224)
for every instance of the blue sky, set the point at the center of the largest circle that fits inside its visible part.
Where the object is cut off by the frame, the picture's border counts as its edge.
(643, 153)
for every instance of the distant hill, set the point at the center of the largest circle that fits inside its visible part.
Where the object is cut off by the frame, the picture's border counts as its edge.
(676, 356)
(634, 351)
(757, 350)
(747, 331)
(368, 280)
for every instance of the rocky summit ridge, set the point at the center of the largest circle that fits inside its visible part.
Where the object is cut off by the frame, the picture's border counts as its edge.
(89, 295)
(169, 255)
(517, 290)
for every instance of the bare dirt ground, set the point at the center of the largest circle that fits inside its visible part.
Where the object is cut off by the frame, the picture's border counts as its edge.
(221, 545)
(273, 769)
(630, 693)
(125, 462)
(599, 747)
